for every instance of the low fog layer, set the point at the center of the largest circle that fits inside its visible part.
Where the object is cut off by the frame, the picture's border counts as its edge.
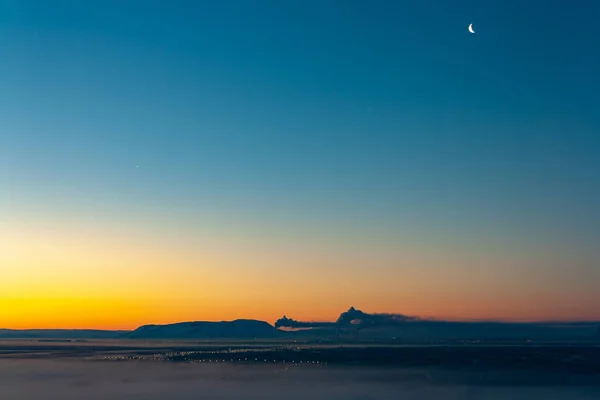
(70, 379)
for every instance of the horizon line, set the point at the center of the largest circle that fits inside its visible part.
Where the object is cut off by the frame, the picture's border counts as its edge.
(417, 320)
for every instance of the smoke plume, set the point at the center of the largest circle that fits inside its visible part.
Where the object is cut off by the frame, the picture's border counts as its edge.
(352, 318)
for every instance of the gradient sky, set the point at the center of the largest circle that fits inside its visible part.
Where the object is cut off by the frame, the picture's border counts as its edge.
(176, 160)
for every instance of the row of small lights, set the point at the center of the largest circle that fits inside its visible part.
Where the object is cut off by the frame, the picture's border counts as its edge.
(159, 357)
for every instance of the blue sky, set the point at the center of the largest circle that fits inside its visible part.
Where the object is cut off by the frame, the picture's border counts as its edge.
(327, 116)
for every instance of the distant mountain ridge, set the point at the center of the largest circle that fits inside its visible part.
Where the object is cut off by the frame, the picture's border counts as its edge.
(350, 326)
(237, 329)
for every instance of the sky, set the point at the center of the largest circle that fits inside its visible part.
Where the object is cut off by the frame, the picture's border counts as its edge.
(165, 161)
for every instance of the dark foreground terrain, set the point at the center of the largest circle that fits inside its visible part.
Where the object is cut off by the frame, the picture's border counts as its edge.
(166, 370)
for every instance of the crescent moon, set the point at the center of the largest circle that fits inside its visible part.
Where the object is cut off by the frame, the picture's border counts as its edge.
(471, 28)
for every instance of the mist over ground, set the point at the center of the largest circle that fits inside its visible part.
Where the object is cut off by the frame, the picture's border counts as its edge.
(28, 379)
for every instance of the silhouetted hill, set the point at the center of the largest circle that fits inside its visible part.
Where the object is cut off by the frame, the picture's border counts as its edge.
(238, 329)
(351, 326)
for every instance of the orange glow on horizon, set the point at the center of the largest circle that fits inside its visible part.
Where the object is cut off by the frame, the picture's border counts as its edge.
(67, 278)
(126, 314)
